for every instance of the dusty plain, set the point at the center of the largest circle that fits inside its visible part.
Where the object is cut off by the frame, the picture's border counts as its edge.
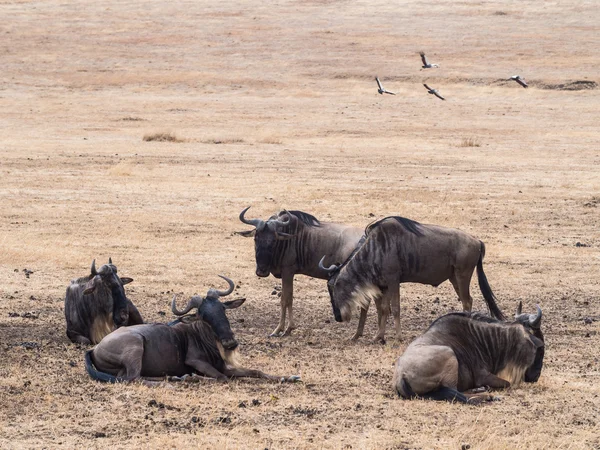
(274, 105)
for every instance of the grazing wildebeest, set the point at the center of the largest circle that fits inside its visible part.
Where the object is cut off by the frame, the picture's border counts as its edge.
(471, 351)
(95, 305)
(292, 242)
(398, 250)
(202, 344)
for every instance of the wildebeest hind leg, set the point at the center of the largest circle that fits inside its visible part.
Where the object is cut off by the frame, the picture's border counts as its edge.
(131, 365)
(461, 282)
(395, 306)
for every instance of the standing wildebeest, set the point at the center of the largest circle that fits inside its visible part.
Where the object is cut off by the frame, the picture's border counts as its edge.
(95, 305)
(470, 351)
(292, 242)
(203, 343)
(398, 250)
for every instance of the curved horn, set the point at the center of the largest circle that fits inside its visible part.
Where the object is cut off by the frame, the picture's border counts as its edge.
(93, 269)
(228, 291)
(328, 269)
(187, 309)
(254, 222)
(519, 309)
(288, 217)
(536, 320)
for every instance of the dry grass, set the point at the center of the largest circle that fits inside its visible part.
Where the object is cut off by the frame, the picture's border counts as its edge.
(161, 137)
(76, 184)
(469, 142)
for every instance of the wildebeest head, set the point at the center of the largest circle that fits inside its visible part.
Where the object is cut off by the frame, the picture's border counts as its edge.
(212, 310)
(266, 235)
(106, 277)
(532, 324)
(347, 287)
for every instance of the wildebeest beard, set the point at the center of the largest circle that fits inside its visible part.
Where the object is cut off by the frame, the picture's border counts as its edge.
(532, 374)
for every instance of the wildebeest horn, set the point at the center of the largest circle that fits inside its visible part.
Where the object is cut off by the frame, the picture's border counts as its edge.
(186, 310)
(109, 260)
(93, 269)
(254, 222)
(228, 291)
(519, 309)
(536, 319)
(288, 217)
(328, 269)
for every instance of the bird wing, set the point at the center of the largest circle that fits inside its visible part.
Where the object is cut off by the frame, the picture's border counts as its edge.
(423, 58)
(437, 94)
(426, 87)
(388, 92)
(379, 83)
(522, 82)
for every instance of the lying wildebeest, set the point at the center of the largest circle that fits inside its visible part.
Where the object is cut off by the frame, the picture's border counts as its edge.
(292, 242)
(471, 351)
(202, 344)
(95, 305)
(398, 250)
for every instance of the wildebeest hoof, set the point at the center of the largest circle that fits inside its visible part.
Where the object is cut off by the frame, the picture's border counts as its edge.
(276, 333)
(288, 331)
(379, 340)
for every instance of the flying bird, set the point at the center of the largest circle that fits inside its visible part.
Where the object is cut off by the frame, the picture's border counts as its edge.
(433, 91)
(380, 88)
(426, 65)
(519, 80)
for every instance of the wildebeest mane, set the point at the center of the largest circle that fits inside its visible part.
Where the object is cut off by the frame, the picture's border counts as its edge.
(475, 315)
(206, 339)
(408, 224)
(306, 219)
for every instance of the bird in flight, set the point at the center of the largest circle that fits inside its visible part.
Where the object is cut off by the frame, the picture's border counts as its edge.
(380, 88)
(433, 91)
(426, 65)
(519, 80)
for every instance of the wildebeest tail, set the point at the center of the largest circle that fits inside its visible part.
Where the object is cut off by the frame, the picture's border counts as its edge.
(486, 290)
(446, 394)
(96, 374)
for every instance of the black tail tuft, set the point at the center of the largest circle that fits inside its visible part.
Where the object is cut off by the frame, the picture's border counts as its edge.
(486, 290)
(97, 375)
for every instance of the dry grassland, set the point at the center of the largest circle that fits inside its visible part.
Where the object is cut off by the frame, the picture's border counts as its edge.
(275, 105)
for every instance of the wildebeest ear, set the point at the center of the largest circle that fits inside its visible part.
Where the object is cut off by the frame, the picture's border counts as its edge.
(232, 304)
(126, 280)
(536, 341)
(248, 233)
(90, 286)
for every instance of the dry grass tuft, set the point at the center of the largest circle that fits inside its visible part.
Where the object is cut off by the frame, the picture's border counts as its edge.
(162, 137)
(500, 13)
(469, 142)
(131, 119)
(223, 141)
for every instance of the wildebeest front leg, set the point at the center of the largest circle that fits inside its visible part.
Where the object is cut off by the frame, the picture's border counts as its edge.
(395, 306)
(253, 373)
(287, 295)
(493, 381)
(383, 308)
(361, 323)
(206, 369)
(283, 302)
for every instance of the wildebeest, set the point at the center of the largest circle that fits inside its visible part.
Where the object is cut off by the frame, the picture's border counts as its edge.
(292, 242)
(398, 250)
(96, 304)
(202, 344)
(471, 351)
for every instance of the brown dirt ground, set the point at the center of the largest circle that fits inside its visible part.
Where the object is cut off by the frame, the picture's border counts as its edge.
(276, 106)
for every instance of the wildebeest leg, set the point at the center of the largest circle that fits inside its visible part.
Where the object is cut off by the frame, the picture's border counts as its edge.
(493, 381)
(395, 305)
(287, 293)
(361, 323)
(205, 368)
(461, 282)
(383, 308)
(287, 285)
(253, 373)
(78, 338)
(135, 318)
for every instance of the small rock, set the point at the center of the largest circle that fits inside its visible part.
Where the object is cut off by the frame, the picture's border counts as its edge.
(72, 363)
(242, 404)
(99, 434)
(14, 314)
(465, 447)
(588, 321)
(587, 334)
(162, 313)
(327, 321)
(255, 402)
(274, 292)
(255, 430)
(152, 403)
(371, 215)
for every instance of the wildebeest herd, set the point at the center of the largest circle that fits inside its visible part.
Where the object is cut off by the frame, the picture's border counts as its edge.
(460, 357)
